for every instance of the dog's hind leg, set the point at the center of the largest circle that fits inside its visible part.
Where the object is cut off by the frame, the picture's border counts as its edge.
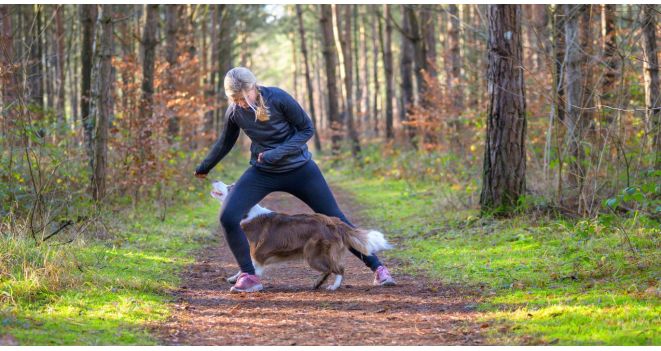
(321, 280)
(337, 283)
(259, 270)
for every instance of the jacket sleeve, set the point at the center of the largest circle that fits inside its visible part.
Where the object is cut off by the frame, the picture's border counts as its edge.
(222, 146)
(295, 114)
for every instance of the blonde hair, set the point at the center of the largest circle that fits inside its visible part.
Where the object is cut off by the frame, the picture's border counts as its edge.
(240, 80)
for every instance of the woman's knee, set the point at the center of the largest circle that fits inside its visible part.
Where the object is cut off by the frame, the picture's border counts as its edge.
(229, 220)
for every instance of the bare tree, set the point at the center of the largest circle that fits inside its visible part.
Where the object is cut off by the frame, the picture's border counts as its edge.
(386, 51)
(308, 80)
(651, 66)
(330, 59)
(504, 153)
(609, 48)
(88, 15)
(102, 98)
(376, 32)
(35, 70)
(171, 55)
(577, 119)
(59, 67)
(454, 73)
(406, 69)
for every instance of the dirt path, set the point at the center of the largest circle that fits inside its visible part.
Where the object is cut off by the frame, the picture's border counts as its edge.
(415, 312)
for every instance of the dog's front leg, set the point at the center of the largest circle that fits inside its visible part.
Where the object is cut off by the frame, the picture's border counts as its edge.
(337, 283)
(233, 278)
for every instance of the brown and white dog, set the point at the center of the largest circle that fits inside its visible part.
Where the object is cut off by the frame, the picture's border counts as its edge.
(320, 240)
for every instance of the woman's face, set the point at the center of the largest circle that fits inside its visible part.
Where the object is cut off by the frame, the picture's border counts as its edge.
(240, 98)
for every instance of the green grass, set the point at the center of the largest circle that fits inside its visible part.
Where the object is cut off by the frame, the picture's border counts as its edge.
(114, 289)
(106, 289)
(541, 280)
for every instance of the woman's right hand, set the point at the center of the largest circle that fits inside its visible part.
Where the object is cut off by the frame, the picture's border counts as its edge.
(200, 175)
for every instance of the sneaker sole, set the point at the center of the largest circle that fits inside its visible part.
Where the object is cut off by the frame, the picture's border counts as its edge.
(251, 289)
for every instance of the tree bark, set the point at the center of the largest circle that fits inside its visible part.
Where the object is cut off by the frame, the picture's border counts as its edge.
(88, 14)
(171, 55)
(345, 45)
(504, 154)
(330, 60)
(225, 59)
(148, 42)
(575, 82)
(419, 54)
(428, 27)
(364, 71)
(386, 51)
(102, 101)
(455, 59)
(651, 77)
(559, 59)
(59, 68)
(406, 70)
(35, 69)
(9, 80)
(376, 31)
(609, 48)
(308, 80)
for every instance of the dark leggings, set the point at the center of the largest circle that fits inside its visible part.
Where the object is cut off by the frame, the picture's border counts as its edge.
(306, 183)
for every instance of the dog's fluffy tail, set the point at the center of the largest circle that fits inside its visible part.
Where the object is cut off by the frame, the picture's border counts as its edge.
(367, 242)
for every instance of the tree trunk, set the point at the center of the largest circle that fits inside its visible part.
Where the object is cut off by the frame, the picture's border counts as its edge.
(308, 80)
(171, 55)
(609, 48)
(102, 101)
(419, 54)
(651, 76)
(376, 31)
(540, 20)
(345, 44)
(364, 71)
(149, 42)
(428, 27)
(576, 79)
(504, 153)
(88, 14)
(386, 51)
(9, 77)
(406, 71)
(226, 35)
(35, 70)
(59, 67)
(559, 59)
(586, 38)
(330, 59)
(454, 76)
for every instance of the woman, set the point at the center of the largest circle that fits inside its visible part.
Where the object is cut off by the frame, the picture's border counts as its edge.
(280, 161)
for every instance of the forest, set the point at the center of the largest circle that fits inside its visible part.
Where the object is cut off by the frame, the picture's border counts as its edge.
(512, 154)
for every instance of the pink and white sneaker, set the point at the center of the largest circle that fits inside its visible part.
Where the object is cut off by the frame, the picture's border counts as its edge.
(247, 283)
(382, 277)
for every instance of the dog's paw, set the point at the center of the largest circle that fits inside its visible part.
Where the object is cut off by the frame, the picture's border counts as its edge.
(332, 288)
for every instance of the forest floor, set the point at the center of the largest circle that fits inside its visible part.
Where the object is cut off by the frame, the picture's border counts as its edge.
(418, 311)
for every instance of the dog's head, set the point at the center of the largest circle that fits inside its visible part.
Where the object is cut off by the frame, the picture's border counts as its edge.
(220, 190)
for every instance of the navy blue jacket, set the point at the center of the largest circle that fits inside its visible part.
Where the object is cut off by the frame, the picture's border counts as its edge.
(282, 138)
